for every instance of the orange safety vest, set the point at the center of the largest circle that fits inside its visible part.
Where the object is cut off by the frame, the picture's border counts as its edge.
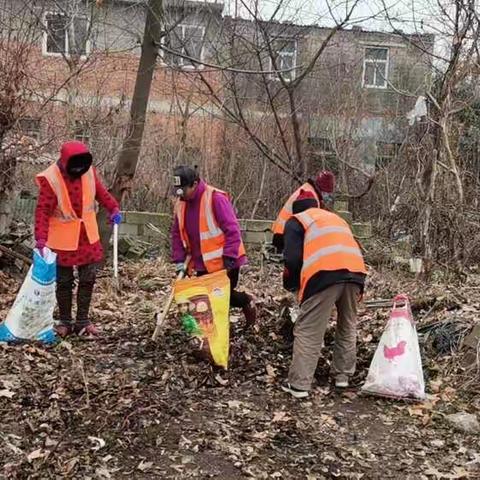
(212, 239)
(286, 212)
(328, 245)
(65, 226)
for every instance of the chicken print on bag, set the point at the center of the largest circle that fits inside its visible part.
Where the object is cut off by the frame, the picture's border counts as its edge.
(391, 352)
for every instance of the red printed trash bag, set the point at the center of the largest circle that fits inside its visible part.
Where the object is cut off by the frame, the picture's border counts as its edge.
(396, 369)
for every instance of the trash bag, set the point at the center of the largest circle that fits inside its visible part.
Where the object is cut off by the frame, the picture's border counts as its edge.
(203, 306)
(31, 316)
(396, 368)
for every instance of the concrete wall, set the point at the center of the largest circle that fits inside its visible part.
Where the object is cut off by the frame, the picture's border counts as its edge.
(135, 225)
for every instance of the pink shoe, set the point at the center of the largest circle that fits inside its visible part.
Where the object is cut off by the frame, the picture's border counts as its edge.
(63, 330)
(88, 331)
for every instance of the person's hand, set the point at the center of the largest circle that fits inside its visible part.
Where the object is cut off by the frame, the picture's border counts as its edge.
(116, 218)
(229, 263)
(40, 245)
(180, 268)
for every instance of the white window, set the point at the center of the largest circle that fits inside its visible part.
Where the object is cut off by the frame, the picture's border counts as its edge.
(284, 51)
(375, 67)
(30, 127)
(65, 35)
(187, 40)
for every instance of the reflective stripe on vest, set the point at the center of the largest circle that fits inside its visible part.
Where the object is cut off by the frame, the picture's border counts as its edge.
(212, 238)
(65, 225)
(287, 210)
(328, 245)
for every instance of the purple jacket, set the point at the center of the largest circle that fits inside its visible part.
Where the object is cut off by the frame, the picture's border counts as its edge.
(226, 219)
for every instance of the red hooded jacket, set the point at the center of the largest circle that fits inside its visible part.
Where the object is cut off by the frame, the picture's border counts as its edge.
(47, 201)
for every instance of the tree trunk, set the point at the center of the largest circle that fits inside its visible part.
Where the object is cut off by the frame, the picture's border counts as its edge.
(129, 155)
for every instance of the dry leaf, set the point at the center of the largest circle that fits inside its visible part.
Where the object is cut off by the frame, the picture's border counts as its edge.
(233, 404)
(70, 465)
(6, 393)
(271, 371)
(143, 466)
(35, 454)
(221, 380)
(281, 416)
(103, 473)
(457, 474)
(50, 442)
(99, 443)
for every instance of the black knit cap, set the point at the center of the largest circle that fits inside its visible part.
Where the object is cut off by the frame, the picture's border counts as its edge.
(184, 176)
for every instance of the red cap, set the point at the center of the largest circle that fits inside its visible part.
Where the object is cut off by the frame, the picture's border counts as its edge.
(325, 181)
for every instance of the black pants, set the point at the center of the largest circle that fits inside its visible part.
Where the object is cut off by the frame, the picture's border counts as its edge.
(65, 283)
(237, 299)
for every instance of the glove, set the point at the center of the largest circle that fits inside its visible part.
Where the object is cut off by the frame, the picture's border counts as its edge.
(229, 263)
(116, 218)
(180, 268)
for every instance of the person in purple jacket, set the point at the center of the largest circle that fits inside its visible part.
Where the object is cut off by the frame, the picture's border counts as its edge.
(186, 239)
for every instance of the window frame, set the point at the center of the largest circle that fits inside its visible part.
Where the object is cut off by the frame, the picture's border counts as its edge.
(66, 53)
(276, 76)
(369, 61)
(197, 66)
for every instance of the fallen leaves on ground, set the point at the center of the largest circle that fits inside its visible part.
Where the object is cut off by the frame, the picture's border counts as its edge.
(123, 407)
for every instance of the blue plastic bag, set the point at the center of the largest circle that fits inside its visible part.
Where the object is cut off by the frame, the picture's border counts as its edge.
(31, 316)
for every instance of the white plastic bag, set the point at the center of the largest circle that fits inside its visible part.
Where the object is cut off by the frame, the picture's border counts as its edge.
(396, 369)
(31, 316)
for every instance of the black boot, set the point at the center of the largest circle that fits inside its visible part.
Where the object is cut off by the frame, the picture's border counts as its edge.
(86, 281)
(64, 293)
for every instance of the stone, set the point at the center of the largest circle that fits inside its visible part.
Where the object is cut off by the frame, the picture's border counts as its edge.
(142, 218)
(464, 422)
(128, 229)
(347, 216)
(362, 230)
(472, 339)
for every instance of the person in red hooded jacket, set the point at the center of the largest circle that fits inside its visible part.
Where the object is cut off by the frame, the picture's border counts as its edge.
(65, 222)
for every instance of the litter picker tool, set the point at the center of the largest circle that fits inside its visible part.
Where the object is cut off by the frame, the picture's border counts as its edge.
(160, 317)
(116, 281)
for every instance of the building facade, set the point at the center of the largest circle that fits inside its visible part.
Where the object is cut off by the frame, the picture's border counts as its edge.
(350, 102)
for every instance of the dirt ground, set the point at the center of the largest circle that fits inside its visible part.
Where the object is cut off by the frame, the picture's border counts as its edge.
(122, 407)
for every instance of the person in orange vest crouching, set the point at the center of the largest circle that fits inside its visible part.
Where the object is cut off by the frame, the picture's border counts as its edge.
(66, 222)
(324, 264)
(206, 228)
(321, 188)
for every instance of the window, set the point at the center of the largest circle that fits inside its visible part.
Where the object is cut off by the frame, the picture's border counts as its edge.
(186, 40)
(386, 152)
(65, 35)
(375, 67)
(81, 132)
(30, 127)
(284, 51)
